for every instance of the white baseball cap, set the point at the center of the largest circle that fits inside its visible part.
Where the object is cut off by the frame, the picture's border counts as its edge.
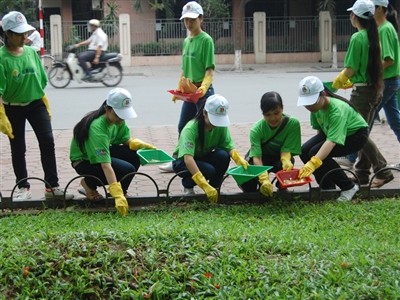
(364, 9)
(121, 102)
(383, 3)
(217, 109)
(16, 22)
(94, 22)
(191, 10)
(310, 88)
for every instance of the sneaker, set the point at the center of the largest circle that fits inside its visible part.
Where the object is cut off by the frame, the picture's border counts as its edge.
(22, 194)
(188, 191)
(58, 193)
(167, 167)
(344, 161)
(349, 194)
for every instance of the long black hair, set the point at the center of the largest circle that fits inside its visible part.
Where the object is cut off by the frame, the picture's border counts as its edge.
(81, 129)
(336, 96)
(374, 68)
(391, 16)
(199, 119)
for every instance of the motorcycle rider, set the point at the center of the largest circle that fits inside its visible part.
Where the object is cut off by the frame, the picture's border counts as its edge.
(98, 44)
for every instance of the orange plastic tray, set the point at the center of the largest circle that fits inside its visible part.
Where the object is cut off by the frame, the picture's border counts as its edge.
(291, 178)
(193, 98)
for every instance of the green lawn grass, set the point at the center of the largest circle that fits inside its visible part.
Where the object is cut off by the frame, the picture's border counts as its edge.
(280, 250)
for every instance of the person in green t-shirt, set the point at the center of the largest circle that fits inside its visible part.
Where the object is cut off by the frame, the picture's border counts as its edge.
(198, 64)
(363, 67)
(274, 139)
(22, 98)
(386, 19)
(102, 146)
(205, 147)
(341, 131)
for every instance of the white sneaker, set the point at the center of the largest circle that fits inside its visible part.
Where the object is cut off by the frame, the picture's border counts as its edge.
(344, 161)
(22, 194)
(167, 167)
(348, 195)
(58, 193)
(188, 191)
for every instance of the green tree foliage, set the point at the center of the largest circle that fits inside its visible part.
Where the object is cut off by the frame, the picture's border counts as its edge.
(212, 8)
(28, 7)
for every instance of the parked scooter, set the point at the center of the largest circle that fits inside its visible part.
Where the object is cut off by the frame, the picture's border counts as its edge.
(108, 71)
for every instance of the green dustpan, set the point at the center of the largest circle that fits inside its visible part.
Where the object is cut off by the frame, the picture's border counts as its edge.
(153, 156)
(241, 175)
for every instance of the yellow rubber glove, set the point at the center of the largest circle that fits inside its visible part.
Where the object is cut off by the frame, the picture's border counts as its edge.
(205, 85)
(309, 168)
(212, 193)
(240, 161)
(136, 144)
(116, 192)
(266, 185)
(5, 125)
(341, 81)
(286, 161)
(47, 104)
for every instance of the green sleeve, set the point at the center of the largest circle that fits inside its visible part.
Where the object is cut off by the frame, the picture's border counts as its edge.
(188, 140)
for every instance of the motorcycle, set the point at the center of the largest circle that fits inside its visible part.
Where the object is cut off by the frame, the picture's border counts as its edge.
(108, 71)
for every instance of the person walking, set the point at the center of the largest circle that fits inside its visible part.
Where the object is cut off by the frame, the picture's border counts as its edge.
(386, 19)
(274, 139)
(363, 68)
(98, 44)
(198, 64)
(341, 131)
(22, 83)
(102, 146)
(205, 147)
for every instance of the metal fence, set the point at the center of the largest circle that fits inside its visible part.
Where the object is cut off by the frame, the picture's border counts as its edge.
(165, 37)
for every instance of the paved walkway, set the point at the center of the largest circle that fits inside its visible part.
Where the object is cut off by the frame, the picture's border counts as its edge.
(164, 137)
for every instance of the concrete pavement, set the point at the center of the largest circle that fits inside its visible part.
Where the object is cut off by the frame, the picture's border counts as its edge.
(165, 137)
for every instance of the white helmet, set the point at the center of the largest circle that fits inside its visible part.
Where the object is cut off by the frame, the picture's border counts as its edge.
(94, 22)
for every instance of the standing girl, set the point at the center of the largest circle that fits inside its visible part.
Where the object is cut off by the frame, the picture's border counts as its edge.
(22, 83)
(102, 147)
(386, 19)
(363, 67)
(197, 64)
(205, 147)
(341, 131)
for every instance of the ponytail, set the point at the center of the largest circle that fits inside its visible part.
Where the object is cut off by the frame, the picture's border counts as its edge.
(81, 130)
(374, 68)
(391, 16)
(199, 118)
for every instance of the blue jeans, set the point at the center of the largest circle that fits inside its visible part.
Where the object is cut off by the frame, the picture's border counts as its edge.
(84, 57)
(390, 105)
(37, 115)
(123, 162)
(189, 110)
(353, 143)
(213, 167)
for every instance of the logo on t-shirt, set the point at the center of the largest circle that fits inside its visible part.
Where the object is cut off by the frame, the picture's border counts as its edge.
(101, 152)
(189, 145)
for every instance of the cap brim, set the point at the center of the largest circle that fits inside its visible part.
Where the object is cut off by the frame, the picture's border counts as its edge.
(125, 113)
(219, 121)
(190, 15)
(23, 28)
(307, 100)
